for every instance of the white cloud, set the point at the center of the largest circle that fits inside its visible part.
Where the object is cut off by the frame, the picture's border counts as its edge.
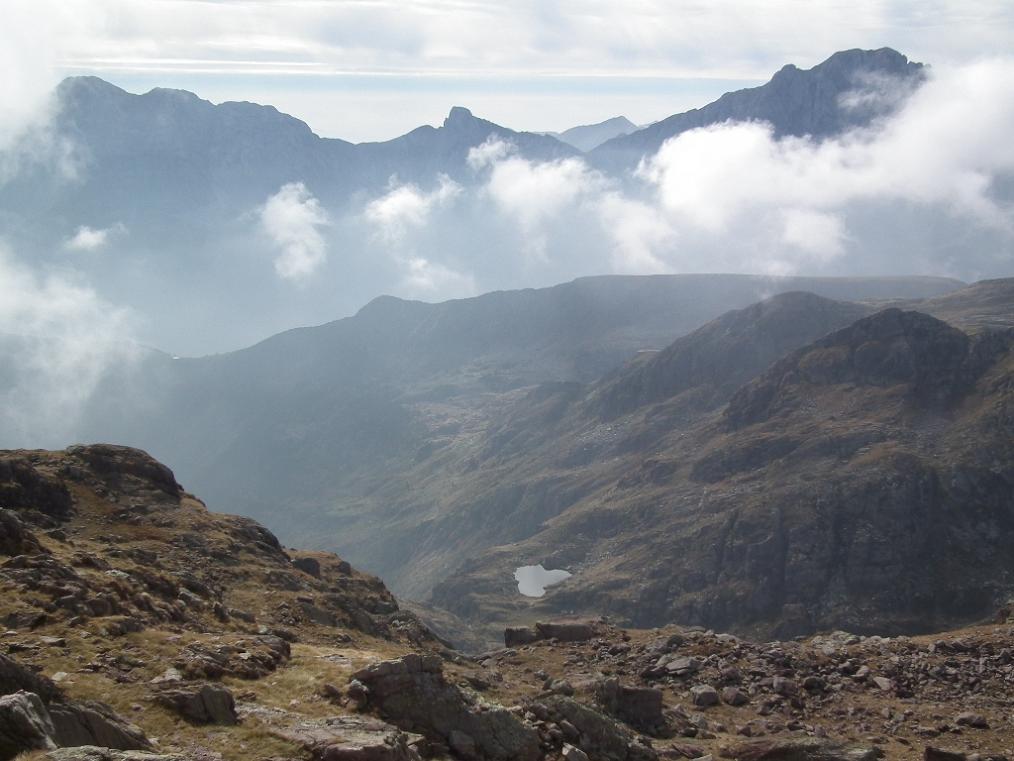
(945, 151)
(639, 234)
(493, 149)
(67, 339)
(423, 277)
(816, 233)
(405, 206)
(90, 239)
(535, 194)
(292, 219)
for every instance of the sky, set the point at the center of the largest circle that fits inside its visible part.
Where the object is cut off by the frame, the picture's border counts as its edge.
(373, 69)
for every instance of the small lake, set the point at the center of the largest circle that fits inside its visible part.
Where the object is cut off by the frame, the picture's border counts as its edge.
(533, 579)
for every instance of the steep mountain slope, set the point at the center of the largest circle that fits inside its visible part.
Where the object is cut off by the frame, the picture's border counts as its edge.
(812, 500)
(350, 435)
(795, 102)
(590, 136)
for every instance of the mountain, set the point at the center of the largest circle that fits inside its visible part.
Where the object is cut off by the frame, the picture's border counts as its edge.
(795, 102)
(589, 136)
(361, 435)
(809, 499)
(214, 161)
(142, 626)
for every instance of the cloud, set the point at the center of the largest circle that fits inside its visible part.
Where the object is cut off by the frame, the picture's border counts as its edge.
(928, 190)
(943, 152)
(405, 207)
(90, 239)
(292, 219)
(61, 338)
(425, 278)
(639, 233)
(538, 193)
(489, 152)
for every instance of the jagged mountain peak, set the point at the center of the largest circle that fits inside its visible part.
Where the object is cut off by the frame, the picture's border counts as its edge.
(795, 102)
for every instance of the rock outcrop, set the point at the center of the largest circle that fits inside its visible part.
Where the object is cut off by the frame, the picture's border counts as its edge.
(35, 714)
(412, 693)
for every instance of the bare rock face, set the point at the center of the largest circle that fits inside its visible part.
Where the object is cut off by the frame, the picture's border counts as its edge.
(119, 465)
(26, 490)
(93, 723)
(35, 707)
(15, 538)
(24, 725)
(598, 736)
(412, 693)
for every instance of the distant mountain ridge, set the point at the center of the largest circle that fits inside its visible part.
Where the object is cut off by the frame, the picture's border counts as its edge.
(589, 136)
(795, 102)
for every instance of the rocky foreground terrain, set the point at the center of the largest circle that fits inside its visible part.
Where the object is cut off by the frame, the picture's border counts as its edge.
(141, 626)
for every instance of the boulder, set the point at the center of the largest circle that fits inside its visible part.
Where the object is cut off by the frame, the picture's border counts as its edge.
(349, 738)
(25, 725)
(199, 703)
(93, 723)
(640, 707)
(704, 695)
(572, 753)
(15, 677)
(565, 631)
(309, 566)
(802, 750)
(15, 538)
(519, 635)
(600, 737)
(412, 693)
(734, 696)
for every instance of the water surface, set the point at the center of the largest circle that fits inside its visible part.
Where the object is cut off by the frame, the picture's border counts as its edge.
(533, 579)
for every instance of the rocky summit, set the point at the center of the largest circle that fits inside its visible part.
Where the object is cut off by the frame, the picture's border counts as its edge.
(142, 627)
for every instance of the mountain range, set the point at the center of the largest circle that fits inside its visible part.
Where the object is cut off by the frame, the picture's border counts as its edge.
(190, 254)
(432, 443)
